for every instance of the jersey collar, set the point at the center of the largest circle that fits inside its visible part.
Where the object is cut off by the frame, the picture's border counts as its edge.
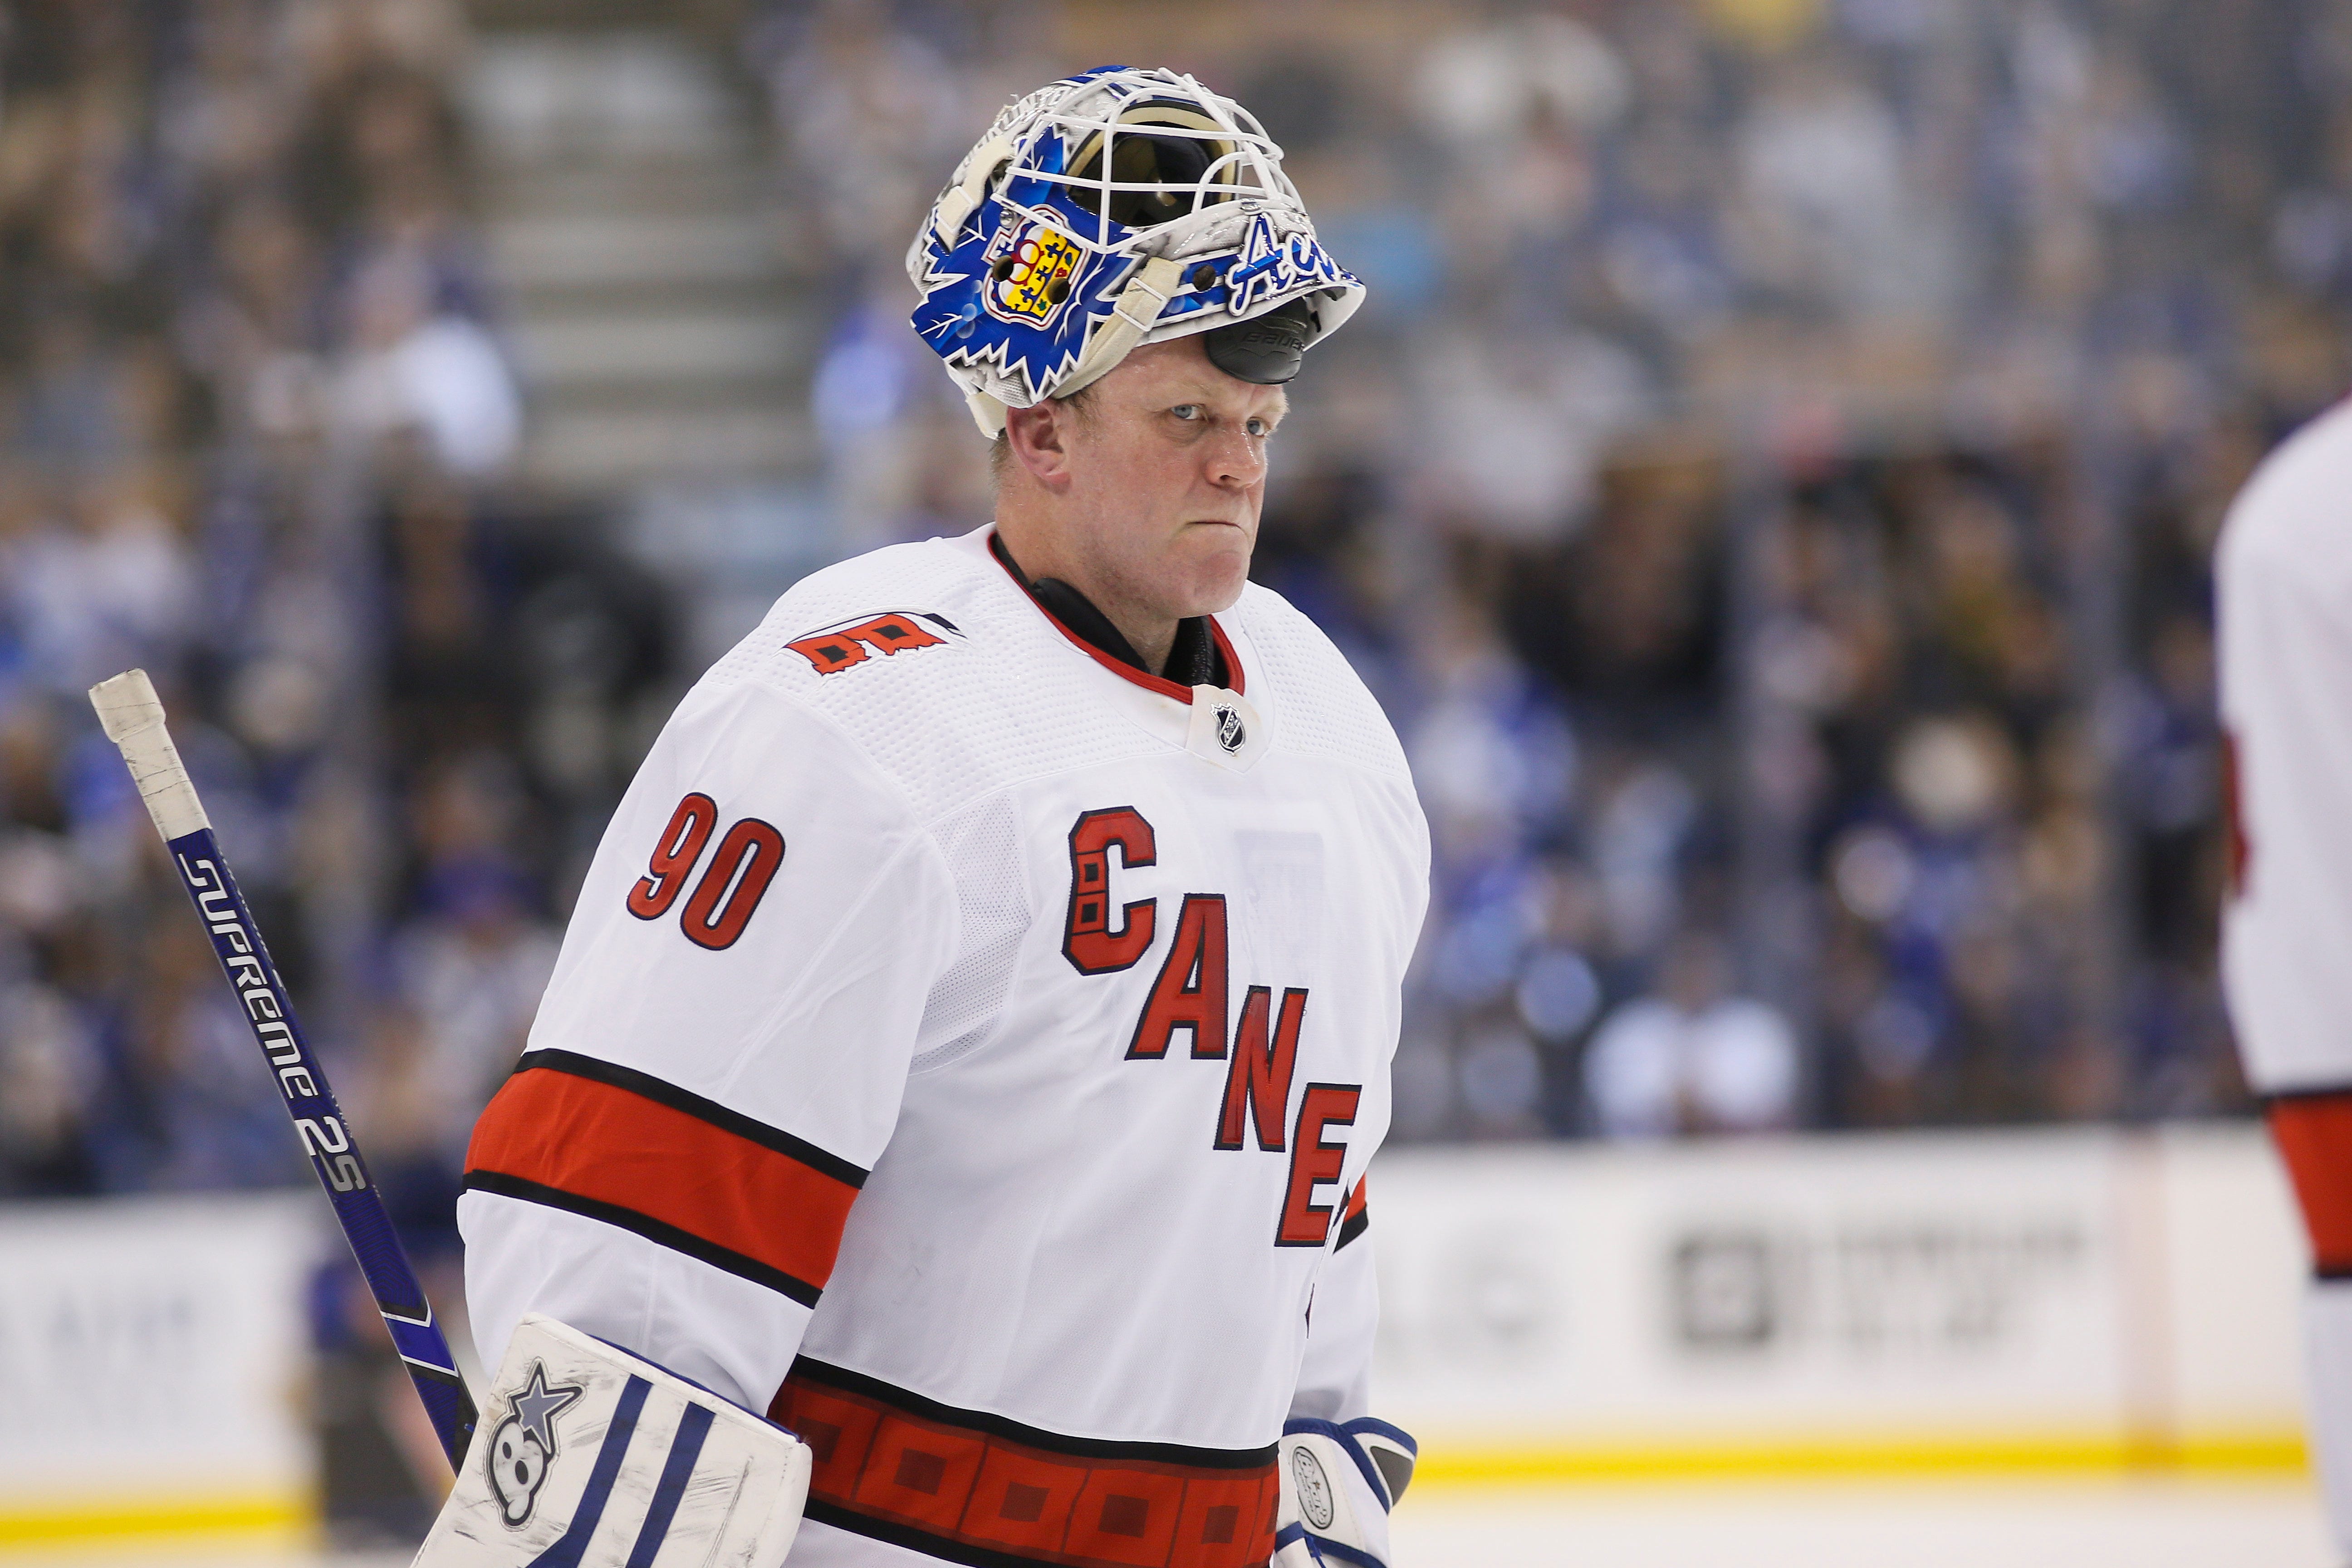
(1114, 663)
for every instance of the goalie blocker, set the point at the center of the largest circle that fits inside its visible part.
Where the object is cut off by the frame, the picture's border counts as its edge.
(590, 1456)
(1339, 1480)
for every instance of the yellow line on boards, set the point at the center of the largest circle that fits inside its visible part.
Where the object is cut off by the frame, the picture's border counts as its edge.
(2256, 1452)
(21, 1525)
(2279, 1450)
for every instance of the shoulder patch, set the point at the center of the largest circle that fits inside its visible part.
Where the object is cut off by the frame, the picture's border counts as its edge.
(832, 649)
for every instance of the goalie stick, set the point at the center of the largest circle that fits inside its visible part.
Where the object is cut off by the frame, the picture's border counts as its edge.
(132, 717)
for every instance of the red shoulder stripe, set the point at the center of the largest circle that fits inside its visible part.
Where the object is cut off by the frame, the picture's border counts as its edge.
(743, 1197)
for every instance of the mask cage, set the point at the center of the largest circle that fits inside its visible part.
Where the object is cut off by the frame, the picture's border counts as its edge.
(1097, 159)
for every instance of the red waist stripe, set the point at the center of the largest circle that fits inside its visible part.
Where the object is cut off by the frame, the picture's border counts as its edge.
(888, 1472)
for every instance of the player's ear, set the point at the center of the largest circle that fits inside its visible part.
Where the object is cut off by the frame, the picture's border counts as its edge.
(1039, 438)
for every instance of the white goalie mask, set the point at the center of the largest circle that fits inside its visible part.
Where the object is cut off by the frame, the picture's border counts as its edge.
(1111, 209)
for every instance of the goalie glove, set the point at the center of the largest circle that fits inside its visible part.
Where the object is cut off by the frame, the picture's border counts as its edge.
(589, 1456)
(1339, 1482)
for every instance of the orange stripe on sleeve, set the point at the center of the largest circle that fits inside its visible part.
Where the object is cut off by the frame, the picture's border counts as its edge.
(666, 1168)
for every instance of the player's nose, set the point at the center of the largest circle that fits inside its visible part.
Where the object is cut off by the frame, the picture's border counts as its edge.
(1235, 459)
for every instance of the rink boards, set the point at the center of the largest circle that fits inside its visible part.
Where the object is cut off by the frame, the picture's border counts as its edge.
(2067, 1299)
(152, 1362)
(2074, 1300)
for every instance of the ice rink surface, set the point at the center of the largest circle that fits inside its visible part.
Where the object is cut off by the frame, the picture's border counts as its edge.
(1822, 1525)
(2069, 1524)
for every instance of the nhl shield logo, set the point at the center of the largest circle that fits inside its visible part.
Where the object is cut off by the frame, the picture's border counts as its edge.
(1231, 734)
(1031, 271)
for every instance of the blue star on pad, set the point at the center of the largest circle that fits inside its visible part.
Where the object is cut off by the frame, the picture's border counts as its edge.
(536, 1406)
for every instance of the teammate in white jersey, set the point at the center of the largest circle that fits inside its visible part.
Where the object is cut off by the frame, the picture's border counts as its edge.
(2284, 575)
(975, 1024)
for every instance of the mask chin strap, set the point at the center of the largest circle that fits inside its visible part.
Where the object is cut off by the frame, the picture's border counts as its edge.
(1154, 284)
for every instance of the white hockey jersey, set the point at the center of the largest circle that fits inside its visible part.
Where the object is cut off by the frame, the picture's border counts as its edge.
(2283, 579)
(969, 1049)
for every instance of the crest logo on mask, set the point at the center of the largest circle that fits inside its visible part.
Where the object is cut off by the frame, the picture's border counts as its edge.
(1031, 270)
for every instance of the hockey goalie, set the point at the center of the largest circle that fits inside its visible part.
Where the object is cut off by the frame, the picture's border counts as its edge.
(943, 1139)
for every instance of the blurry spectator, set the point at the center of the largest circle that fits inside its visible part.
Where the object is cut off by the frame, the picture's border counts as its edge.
(101, 585)
(49, 1071)
(185, 1110)
(1692, 1058)
(409, 367)
(472, 970)
(1827, 221)
(871, 121)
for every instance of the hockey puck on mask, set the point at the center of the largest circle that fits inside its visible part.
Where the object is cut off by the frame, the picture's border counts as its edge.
(1264, 349)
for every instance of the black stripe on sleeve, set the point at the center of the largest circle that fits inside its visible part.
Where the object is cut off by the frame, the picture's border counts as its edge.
(656, 1231)
(691, 1104)
(1354, 1225)
(2313, 1091)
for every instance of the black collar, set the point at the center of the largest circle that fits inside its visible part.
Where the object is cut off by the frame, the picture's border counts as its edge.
(1193, 660)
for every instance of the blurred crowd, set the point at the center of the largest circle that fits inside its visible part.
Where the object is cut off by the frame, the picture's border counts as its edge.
(1771, 487)
(255, 422)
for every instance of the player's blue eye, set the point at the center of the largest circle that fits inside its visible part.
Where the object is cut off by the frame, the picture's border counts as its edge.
(1186, 411)
(1260, 428)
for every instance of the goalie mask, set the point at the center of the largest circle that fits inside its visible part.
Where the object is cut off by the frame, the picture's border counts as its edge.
(1111, 209)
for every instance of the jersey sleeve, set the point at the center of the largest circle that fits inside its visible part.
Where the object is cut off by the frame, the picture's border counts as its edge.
(722, 1052)
(2286, 705)
(1336, 1375)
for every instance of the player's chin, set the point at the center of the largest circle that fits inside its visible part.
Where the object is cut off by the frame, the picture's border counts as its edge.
(1213, 565)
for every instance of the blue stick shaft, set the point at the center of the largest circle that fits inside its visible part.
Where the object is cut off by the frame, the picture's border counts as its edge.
(326, 1139)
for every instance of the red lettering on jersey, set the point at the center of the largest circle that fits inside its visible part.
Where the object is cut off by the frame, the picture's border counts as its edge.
(1357, 1217)
(1191, 991)
(1306, 1223)
(1088, 941)
(673, 857)
(1258, 1084)
(834, 651)
(732, 889)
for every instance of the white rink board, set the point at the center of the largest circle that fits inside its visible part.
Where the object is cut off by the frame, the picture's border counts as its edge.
(2233, 1259)
(152, 1354)
(2083, 1295)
